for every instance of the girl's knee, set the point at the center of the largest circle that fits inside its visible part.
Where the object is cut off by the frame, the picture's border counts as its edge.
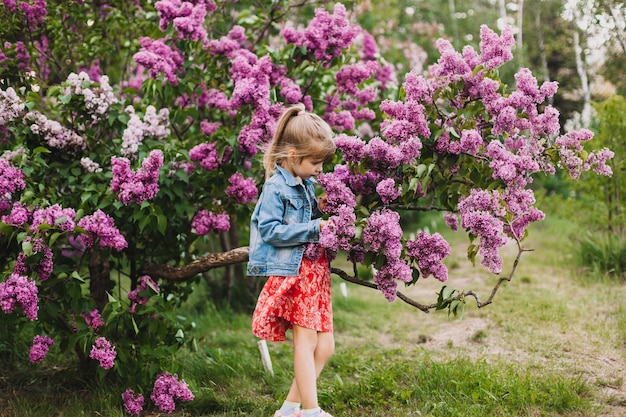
(325, 345)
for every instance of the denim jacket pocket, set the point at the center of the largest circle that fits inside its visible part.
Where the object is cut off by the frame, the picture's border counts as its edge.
(293, 211)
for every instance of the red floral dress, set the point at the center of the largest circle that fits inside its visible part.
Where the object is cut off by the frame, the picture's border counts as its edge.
(303, 300)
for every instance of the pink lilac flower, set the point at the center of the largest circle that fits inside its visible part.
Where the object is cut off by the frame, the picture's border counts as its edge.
(388, 191)
(429, 251)
(496, 50)
(35, 14)
(340, 120)
(22, 56)
(352, 147)
(242, 190)
(410, 113)
(251, 77)
(338, 193)
(206, 221)
(18, 216)
(385, 278)
(98, 99)
(290, 90)
(158, 58)
(93, 319)
(208, 128)
(339, 230)
(101, 226)
(136, 186)
(597, 161)
(11, 106)
(350, 76)
(54, 216)
(452, 221)
(146, 283)
(39, 349)
(382, 233)
(207, 155)
(154, 124)
(89, 165)
(188, 18)
(167, 388)
(19, 290)
(228, 45)
(104, 352)
(11, 5)
(133, 403)
(370, 49)
(451, 64)
(384, 157)
(326, 36)
(11, 179)
(45, 264)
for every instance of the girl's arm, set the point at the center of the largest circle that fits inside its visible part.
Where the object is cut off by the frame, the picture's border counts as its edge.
(270, 215)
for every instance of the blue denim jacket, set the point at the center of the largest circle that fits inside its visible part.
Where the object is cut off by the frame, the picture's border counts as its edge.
(285, 219)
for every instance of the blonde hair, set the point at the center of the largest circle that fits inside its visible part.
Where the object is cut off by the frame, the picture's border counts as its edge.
(306, 133)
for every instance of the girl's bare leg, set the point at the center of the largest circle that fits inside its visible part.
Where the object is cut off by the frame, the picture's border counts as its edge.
(312, 350)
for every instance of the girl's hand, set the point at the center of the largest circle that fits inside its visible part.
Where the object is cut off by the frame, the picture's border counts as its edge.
(321, 203)
(323, 224)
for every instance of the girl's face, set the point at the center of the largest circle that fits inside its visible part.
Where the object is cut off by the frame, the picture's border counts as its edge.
(304, 168)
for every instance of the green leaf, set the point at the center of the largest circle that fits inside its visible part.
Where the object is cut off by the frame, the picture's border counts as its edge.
(162, 223)
(27, 248)
(54, 238)
(132, 318)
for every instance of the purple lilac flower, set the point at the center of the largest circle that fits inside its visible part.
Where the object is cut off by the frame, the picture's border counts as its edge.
(383, 233)
(18, 216)
(206, 221)
(208, 128)
(35, 14)
(154, 124)
(206, 154)
(22, 56)
(339, 230)
(388, 191)
(11, 5)
(495, 50)
(410, 117)
(11, 179)
(596, 160)
(145, 284)
(133, 403)
(102, 226)
(242, 190)
(350, 76)
(39, 349)
(93, 319)
(452, 221)
(158, 58)
(352, 147)
(188, 18)
(481, 214)
(136, 186)
(340, 120)
(104, 352)
(384, 156)
(326, 36)
(337, 192)
(167, 388)
(251, 76)
(97, 100)
(429, 251)
(385, 278)
(54, 216)
(20, 290)
(513, 169)
(370, 49)
(11, 107)
(228, 45)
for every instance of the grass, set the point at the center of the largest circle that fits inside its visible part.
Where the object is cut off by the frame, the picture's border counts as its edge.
(552, 344)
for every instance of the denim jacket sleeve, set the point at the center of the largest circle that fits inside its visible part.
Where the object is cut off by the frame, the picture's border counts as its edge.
(286, 219)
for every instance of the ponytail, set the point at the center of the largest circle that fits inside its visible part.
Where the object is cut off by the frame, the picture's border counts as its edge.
(276, 151)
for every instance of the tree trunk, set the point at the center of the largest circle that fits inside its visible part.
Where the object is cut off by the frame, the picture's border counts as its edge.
(100, 277)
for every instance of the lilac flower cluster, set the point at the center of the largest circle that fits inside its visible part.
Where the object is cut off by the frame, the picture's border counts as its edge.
(45, 264)
(11, 107)
(35, 14)
(146, 283)
(429, 251)
(570, 148)
(89, 165)
(382, 233)
(39, 349)
(136, 186)
(20, 290)
(242, 190)
(158, 57)
(207, 155)
(55, 216)
(339, 230)
(326, 36)
(154, 124)
(208, 128)
(452, 221)
(97, 100)
(229, 44)
(167, 388)
(205, 222)
(519, 204)
(481, 214)
(133, 403)
(22, 57)
(11, 180)
(102, 226)
(187, 17)
(53, 132)
(104, 352)
(388, 191)
(385, 278)
(18, 215)
(93, 319)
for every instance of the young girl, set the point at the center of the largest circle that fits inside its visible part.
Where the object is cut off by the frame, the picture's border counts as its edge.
(284, 232)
